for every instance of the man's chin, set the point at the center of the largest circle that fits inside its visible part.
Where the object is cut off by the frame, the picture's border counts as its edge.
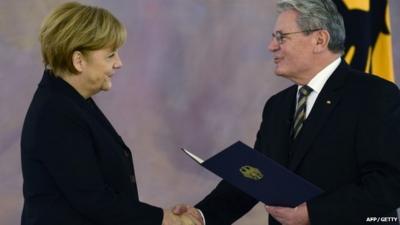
(106, 87)
(279, 73)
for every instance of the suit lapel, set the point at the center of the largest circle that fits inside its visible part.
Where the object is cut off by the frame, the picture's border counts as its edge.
(273, 136)
(97, 113)
(283, 127)
(326, 101)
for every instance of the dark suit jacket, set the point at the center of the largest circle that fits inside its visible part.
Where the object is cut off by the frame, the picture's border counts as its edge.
(349, 146)
(76, 168)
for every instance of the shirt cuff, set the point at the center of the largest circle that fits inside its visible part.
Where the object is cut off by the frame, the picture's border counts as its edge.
(202, 216)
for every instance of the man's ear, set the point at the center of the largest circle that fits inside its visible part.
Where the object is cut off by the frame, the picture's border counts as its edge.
(322, 39)
(78, 61)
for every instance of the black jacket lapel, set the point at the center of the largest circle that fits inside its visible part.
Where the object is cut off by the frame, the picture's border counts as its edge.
(282, 122)
(97, 113)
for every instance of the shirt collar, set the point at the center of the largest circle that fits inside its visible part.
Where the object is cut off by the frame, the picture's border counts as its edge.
(319, 80)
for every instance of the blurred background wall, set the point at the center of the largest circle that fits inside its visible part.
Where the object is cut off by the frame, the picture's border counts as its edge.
(196, 74)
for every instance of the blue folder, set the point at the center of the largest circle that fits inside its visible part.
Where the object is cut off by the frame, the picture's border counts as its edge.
(259, 176)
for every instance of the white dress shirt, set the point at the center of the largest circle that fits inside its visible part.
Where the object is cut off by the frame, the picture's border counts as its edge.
(317, 83)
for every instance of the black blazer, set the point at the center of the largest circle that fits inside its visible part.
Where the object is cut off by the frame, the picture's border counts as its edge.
(349, 146)
(76, 168)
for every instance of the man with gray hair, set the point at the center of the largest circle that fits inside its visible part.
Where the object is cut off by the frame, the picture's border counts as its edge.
(336, 127)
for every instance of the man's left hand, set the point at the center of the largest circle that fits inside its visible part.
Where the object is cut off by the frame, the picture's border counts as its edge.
(290, 216)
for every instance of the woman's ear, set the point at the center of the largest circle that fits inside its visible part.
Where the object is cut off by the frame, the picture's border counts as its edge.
(78, 61)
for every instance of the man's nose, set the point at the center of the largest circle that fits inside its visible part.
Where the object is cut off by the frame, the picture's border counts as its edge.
(273, 45)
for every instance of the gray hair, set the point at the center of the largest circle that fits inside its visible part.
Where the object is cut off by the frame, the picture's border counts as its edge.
(315, 14)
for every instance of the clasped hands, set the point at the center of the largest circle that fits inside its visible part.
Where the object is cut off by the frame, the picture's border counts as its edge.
(182, 215)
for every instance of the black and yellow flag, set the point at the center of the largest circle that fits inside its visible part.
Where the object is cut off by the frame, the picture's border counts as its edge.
(368, 36)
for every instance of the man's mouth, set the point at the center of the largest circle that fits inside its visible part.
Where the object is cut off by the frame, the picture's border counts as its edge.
(277, 60)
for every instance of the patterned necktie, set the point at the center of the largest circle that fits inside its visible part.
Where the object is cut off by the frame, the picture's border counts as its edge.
(300, 114)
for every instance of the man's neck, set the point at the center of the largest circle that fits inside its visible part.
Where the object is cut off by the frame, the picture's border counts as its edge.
(320, 64)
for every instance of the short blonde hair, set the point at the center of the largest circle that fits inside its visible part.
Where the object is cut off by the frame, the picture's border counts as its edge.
(75, 27)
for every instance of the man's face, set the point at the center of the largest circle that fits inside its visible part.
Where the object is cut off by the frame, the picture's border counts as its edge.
(293, 55)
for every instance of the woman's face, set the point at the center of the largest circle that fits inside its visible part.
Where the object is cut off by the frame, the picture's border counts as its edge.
(98, 68)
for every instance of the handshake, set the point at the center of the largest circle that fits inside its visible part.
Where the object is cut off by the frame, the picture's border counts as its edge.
(182, 215)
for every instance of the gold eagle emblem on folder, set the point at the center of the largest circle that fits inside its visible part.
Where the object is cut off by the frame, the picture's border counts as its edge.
(251, 172)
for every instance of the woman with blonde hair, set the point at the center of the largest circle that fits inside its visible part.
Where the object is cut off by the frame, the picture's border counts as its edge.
(76, 168)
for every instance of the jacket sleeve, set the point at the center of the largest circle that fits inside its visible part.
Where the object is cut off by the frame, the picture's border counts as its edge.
(225, 204)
